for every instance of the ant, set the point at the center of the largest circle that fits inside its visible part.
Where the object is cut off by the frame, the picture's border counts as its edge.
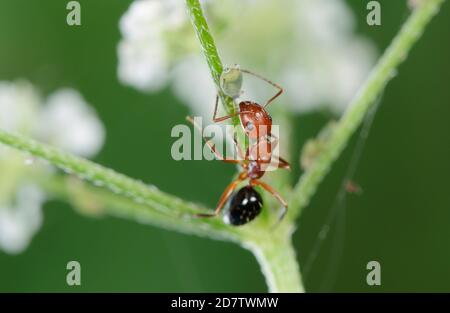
(246, 204)
(256, 122)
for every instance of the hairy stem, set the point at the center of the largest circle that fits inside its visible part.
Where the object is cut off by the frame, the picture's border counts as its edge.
(209, 50)
(277, 258)
(385, 70)
(158, 207)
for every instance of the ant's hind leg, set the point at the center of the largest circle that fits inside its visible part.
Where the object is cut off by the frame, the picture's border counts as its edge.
(255, 182)
(280, 89)
(223, 199)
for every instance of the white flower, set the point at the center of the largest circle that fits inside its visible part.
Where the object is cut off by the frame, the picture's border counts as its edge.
(68, 122)
(143, 53)
(192, 74)
(18, 105)
(64, 120)
(308, 46)
(21, 220)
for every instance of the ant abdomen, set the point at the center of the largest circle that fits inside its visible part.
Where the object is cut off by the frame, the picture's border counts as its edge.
(244, 206)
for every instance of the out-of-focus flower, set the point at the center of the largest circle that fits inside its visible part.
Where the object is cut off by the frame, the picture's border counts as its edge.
(143, 53)
(19, 103)
(20, 221)
(64, 120)
(308, 46)
(67, 121)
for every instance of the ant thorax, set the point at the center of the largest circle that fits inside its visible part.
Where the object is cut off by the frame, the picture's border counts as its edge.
(254, 170)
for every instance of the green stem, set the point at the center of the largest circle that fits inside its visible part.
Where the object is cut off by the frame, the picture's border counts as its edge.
(209, 50)
(276, 256)
(158, 207)
(364, 100)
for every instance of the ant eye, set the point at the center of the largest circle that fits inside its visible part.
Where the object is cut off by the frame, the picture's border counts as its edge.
(231, 81)
(250, 126)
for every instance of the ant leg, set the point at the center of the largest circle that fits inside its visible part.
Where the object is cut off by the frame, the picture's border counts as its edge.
(223, 199)
(282, 163)
(277, 161)
(255, 182)
(238, 147)
(280, 89)
(225, 117)
(211, 145)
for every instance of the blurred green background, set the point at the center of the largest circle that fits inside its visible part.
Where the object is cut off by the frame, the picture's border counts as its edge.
(402, 219)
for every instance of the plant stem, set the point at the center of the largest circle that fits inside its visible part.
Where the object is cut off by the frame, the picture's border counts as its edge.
(385, 70)
(210, 52)
(134, 197)
(280, 269)
(277, 259)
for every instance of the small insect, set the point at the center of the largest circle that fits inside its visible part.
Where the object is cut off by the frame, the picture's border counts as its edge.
(252, 169)
(352, 187)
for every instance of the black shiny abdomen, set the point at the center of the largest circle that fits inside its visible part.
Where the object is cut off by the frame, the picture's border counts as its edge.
(243, 206)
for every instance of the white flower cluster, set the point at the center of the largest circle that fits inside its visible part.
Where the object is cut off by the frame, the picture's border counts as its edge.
(308, 46)
(65, 120)
(143, 52)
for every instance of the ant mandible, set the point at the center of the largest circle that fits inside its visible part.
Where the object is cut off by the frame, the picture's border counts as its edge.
(246, 204)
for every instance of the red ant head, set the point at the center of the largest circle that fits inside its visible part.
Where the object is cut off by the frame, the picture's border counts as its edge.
(255, 120)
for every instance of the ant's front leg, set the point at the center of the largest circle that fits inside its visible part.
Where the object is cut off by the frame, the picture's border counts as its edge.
(210, 144)
(225, 117)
